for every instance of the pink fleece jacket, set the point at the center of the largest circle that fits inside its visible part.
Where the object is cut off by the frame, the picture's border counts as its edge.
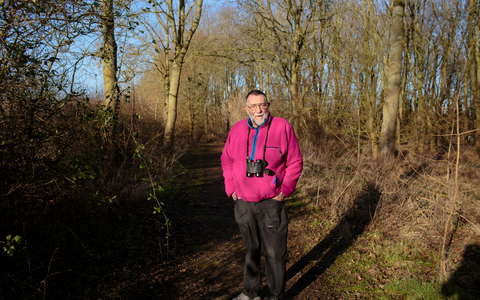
(282, 155)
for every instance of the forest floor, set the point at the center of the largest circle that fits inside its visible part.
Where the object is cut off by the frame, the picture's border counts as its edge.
(206, 250)
(120, 252)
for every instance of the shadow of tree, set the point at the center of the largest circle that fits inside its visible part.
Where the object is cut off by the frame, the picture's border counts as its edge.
(465, 281)
(325, 253)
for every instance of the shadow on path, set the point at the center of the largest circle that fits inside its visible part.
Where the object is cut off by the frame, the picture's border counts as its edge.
(325, 253)
(205, 237)
(465, 281)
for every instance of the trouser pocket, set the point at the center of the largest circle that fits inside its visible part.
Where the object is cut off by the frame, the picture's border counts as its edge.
(241, 213)
(275, 214)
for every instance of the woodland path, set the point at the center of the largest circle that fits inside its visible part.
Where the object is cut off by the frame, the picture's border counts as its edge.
(117, 250)
(208, 248)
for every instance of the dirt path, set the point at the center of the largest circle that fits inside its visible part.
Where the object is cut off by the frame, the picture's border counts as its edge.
(208, 249)
(207, 245)
(113, 252)
(120, 257)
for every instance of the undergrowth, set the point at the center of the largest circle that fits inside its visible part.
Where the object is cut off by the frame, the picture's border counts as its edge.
(68, 210)
(396, 254)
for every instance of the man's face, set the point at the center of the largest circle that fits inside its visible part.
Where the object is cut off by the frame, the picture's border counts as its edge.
(257, 109)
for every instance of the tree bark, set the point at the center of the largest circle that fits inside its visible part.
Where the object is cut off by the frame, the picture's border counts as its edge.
(175, 74)
(371, 100)
(181, 43)
(110, 82)
(476, 97)
(390, 108)
(419, 68)
(109, 56)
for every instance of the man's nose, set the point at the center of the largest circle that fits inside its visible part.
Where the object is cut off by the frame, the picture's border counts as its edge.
(258, 108)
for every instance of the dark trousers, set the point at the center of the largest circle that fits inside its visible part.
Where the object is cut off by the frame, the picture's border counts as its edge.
(264, 226)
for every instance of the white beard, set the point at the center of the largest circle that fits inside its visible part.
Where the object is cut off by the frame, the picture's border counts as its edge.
(258, 122)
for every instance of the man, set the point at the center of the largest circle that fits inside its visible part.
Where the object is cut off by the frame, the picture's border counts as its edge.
(261, 164)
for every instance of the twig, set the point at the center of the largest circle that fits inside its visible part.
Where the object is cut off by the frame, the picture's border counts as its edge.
(428, 191)
(444, 210)
(345, 189)
(453, 202)
(84, 248)
(48, 274)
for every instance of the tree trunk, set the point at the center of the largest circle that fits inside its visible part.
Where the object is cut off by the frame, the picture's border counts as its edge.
(109, 56)
(295, 98)
(191, 112)
(371, 100)
(166, 75)
(390, 108)
(110, 83)
(476, 96)
(181, 41)
(176, 71)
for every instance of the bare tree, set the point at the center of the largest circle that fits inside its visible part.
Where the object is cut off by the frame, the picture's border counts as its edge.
(109, 55)
(110, 81)
(390, 107)
(370, 74)
(290, 25)
(173, 20)
(417, 12)
(166, 25)
(474, 42)
(336, 65)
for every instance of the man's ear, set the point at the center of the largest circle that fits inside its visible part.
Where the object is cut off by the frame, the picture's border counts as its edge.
(246, 108)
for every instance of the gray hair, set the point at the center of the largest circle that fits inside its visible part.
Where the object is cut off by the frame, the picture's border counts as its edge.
(255, 93)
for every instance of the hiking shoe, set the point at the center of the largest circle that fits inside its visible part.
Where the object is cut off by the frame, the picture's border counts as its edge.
(242, 296)
(271, 297)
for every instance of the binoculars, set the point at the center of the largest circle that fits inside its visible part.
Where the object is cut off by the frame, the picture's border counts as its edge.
(257, 168)
(254, 168)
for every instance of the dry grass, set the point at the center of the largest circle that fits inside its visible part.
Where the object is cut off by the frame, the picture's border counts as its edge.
(233, 109)
(415, 194)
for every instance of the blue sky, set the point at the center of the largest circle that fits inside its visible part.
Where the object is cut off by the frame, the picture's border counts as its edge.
(89, 73)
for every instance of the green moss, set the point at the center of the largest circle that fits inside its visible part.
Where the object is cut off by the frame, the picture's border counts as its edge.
(377, 268)
(415, 288)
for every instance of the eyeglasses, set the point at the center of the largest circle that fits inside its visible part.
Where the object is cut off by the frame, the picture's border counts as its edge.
(253, 107)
